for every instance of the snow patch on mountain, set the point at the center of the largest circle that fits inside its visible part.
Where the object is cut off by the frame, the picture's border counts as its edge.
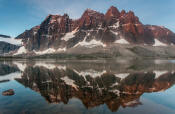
(61, 49)
(11, 41)
(90, 44)
(69, 35)
(115, 25)
(49, 51)
(121, 41)
(158, 43)
(21, 50)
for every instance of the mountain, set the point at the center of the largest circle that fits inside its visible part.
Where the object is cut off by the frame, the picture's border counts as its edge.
(7, 48)
(61, 34)
(8, 44)
(4, 36)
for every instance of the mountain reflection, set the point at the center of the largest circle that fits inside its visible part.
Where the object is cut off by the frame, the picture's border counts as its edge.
(8, 72)
(7, 69)
(96, 84)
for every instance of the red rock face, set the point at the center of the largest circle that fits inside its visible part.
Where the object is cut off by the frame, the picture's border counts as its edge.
(90, 19)
(162, 33)
(112, 14)
(106, 28)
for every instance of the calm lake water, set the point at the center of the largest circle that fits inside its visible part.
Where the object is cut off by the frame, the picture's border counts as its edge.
(88, 87)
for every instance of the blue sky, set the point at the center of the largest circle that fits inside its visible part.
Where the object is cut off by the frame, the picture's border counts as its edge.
(19, 15)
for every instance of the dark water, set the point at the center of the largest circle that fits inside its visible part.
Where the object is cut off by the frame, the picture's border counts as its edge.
(88, 87)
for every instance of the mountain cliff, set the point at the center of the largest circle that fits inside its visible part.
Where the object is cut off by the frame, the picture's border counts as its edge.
(93, 29)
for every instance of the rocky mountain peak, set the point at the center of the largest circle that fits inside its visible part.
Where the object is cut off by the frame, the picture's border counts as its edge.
(112, 15)
(129, 17)
(93, 29)
(90, 12)
(112, 12)
(123, 12)
(66, 16)
(90, 18)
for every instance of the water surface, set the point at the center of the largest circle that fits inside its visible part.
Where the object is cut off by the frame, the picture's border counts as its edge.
(88, 87)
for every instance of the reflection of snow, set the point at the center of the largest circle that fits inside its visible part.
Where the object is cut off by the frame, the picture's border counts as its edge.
(50, 66)
(117, 92)
(132, 103)
(91, 73)
(11, 76)
(159, 73)
(115, 33)
(20, 66)
(122, 76)
(115, 84)
(69, 81)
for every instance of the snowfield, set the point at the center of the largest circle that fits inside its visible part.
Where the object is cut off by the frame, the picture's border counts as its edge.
(70, 82)
(21, 50)
(50, 51)
(158, 43)
(69, 35)
(121, 41)
(91, 44)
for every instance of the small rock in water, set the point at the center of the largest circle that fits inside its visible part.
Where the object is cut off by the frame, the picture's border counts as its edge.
(9, 92)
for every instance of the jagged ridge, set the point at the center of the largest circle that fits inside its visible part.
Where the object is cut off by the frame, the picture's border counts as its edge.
(59, 33)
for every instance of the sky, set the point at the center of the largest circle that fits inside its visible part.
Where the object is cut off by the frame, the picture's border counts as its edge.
(16, 16)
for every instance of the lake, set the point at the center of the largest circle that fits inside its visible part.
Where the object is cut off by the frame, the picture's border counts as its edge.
(88, 87)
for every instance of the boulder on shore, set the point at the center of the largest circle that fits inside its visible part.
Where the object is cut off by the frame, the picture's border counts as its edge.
(9, 92)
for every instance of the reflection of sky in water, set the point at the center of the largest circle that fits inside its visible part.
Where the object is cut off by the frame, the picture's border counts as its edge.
(26, 100)
(172, 61)
(165, 98)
